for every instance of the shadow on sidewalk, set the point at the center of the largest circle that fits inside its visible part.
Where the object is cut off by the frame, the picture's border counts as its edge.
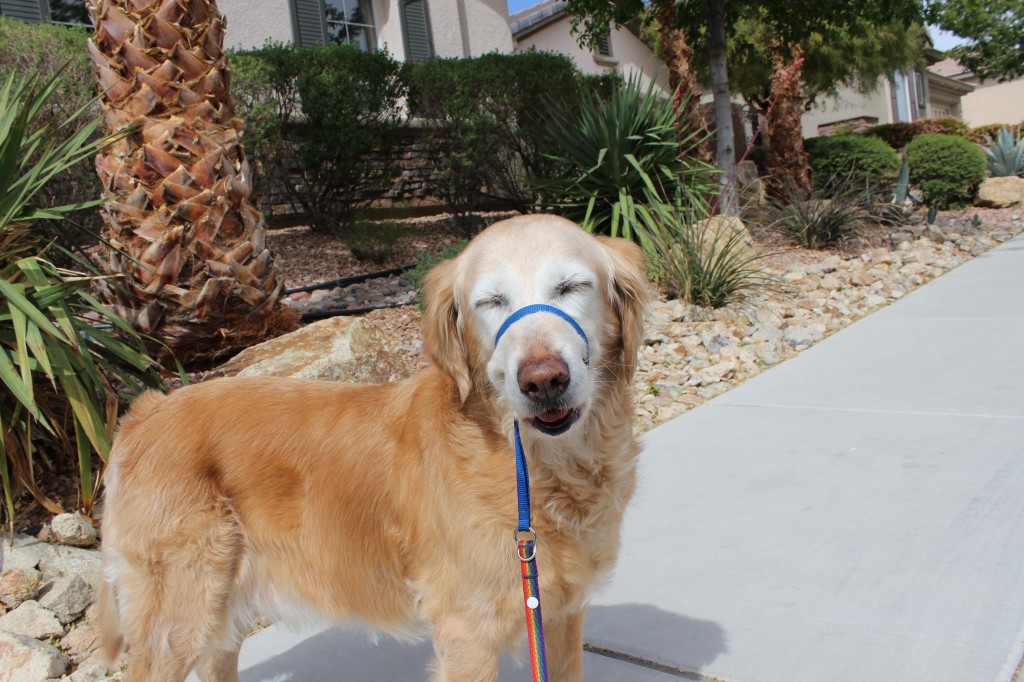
(668, 640)
(641, 631)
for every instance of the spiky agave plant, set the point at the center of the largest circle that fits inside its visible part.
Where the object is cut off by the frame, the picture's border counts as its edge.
(64, 357)
(196, 269)
(1005, 154)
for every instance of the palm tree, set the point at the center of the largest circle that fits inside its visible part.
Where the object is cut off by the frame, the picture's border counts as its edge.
(196, 270)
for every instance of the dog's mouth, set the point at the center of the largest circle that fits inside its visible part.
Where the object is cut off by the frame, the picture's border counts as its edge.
(555, 422)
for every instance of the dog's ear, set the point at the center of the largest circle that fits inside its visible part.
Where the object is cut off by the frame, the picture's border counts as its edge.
(442, 333)
(630, 295)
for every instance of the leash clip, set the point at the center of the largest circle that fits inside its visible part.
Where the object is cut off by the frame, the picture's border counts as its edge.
(526, 539)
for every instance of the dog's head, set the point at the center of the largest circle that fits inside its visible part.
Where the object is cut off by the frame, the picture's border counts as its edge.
(539, 367)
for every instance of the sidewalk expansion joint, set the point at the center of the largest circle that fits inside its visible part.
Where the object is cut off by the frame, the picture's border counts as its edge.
(867, 410)
(649, 664)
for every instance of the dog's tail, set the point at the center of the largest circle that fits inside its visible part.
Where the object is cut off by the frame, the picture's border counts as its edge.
(111, 639)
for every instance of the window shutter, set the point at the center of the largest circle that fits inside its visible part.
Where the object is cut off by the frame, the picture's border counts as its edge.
(419, 47)
(309, 23)
(35, 11)
(604, 44)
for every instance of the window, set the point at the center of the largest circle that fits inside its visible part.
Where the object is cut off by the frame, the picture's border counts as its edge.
(350, 21)
(419, 46)
(69, 12)
(604, 44)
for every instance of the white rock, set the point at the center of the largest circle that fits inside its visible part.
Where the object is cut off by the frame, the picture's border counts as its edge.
(32, 620)
(82, 640)
(60, 560)
(67, 597)
(799, 335)
(23, 659)
(26, 552)
(73, 529)
(90, 672)
(715, 341)
(18, 585)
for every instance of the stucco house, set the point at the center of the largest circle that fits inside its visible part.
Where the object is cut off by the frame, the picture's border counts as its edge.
(410, 30)
(905, 96)
(990, 102)
(546, 27)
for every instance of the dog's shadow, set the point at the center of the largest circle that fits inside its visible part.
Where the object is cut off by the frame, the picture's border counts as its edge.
(669, 641)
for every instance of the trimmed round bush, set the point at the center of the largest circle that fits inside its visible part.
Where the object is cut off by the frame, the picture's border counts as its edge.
(947, 168)
(852, 162)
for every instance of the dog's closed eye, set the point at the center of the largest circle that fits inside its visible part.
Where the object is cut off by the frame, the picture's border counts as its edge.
(571, 286)
(492, 301)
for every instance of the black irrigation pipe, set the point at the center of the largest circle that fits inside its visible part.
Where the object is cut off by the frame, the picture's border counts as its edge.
(339, 312)
(346, 281)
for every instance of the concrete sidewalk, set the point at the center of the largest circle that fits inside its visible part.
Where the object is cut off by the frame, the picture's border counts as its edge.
(854, 514)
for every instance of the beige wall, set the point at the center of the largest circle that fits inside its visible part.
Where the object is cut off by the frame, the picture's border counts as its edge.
(994, 102)
(629, 54)
(849, 104)
(252, 22)
(460, 28)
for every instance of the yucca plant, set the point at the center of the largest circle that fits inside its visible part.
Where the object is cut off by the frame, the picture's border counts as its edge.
(64, 357)
(1005, 154)
(706, 261)
(815, 223)
(619, 156)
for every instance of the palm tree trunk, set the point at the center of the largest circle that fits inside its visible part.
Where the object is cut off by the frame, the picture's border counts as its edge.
(788, 170)
(681, 77)
(196, 271)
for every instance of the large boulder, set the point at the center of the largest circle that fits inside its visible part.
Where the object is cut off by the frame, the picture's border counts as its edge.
(749, 185)
(1001, 192)
(351, 349)
(725, 231)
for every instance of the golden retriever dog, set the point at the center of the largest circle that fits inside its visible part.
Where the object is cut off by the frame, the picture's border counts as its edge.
(392, 505)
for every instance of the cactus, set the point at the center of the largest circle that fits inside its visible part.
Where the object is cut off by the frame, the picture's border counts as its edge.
(902, 184)
(1005, 154)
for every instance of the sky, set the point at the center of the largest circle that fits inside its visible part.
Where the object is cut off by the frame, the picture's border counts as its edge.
(943, 40)
(516, 5)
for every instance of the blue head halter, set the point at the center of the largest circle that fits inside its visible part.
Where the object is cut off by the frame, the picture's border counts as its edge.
(544, 308)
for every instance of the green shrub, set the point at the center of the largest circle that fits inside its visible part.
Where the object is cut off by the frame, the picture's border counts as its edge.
(947, 169)
(375, 242)
(940, 126)
(64, 358)
(899, 135)
(866, 162)
(47, 49)
(619, 158)
(896, 135)
(322, 123)
(978, 135)
(483, 120)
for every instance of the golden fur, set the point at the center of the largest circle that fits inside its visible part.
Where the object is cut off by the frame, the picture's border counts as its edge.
(392, 504)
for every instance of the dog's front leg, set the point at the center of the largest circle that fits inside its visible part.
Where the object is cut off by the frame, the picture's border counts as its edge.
(564, 636)
(464, 652)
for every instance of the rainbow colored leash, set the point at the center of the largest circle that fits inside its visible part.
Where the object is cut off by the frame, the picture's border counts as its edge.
(526, 547)
(526, 538)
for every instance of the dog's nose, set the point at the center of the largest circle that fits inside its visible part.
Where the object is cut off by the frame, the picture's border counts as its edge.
(543, 379)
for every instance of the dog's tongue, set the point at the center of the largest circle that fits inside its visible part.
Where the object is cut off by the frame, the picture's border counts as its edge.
(553, 416)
